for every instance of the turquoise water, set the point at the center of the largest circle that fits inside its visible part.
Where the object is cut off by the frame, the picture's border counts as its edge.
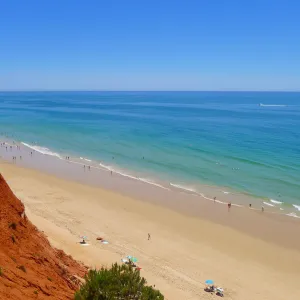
(218, 138)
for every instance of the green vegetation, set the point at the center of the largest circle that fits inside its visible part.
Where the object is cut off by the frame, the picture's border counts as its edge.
(22, 268)
(13, 226)
(36, 292)
(119, 282)
(49, 278)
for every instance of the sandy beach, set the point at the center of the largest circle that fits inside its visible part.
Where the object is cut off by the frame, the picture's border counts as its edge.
(258, 259)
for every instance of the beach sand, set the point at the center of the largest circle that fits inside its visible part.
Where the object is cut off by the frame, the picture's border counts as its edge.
(250, 254)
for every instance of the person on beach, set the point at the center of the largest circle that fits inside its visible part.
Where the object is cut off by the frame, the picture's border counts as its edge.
(215, 199)
(262, 209)
(89, 168)
(149, 237)
(229, 206)
(110, 172)
(250, 205)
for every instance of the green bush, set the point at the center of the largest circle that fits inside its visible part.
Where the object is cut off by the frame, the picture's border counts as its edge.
(119, 282)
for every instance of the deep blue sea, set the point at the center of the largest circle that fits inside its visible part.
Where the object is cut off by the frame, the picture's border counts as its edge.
(224, 139)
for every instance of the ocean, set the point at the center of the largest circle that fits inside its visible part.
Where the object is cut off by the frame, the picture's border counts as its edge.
(244, 142)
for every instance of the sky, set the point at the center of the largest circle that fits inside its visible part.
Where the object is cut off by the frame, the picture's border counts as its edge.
(150, 45)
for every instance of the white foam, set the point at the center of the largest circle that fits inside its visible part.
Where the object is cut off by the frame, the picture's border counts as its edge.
(42, 150)
(238, 205)
(210, 199)
(201, 194)
(153, 183)
(292, 215)
(107, 168)
(273, 105)
(178, 186)
(87, 159)
(127, 175)
(275, 201)
(297, 206)
(225, 192)
(267, 203)
(221, 202)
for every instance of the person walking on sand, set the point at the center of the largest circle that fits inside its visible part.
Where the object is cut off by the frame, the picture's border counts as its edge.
(262, 209)
(229, 206)
(149, 237)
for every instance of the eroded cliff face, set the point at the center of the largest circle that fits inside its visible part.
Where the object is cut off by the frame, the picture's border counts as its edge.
(29, 267)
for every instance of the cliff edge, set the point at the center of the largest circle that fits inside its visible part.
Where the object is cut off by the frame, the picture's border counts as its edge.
(30, 268)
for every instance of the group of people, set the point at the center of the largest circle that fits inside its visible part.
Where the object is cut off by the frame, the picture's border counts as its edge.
(15, 158)
(250, 205)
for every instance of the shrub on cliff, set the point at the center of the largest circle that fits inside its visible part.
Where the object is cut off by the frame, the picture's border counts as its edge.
(118, 282)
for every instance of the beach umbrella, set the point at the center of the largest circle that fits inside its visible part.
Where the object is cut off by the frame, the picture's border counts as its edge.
(84, 237)
(133, 259)
(209, 282)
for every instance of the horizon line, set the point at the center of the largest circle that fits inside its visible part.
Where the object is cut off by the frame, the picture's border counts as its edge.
(167, 91)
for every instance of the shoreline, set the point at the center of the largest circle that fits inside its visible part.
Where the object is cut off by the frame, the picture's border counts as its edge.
(190, 204)
(184, 250)
(223, 195)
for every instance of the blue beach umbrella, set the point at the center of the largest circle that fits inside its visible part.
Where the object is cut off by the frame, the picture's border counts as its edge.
(133, 259)
(209, 282)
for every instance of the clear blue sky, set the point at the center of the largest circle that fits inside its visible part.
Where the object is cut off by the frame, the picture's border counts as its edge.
(150, 45)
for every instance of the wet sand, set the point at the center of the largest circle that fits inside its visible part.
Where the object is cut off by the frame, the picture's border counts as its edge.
(252, 255)
(161, 194)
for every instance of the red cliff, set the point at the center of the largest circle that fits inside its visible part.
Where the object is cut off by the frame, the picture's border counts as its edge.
(30, 268)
